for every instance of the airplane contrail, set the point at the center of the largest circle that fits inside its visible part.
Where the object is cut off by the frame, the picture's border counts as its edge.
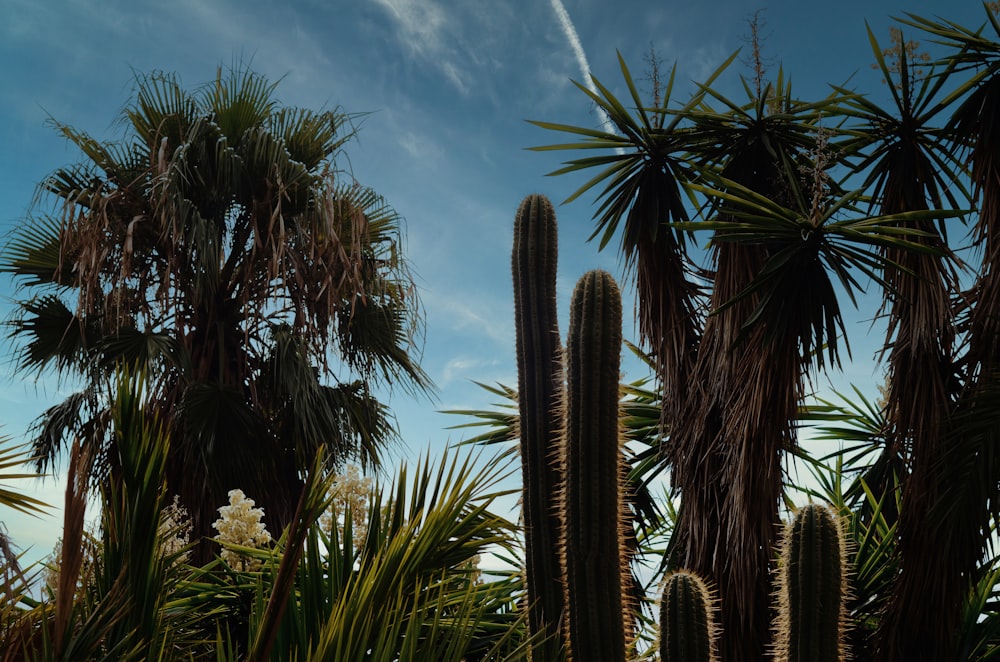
(581, 57)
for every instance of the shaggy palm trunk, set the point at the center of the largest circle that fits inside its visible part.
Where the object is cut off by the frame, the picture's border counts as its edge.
(951, 478)
(731, 471)
(919, 394)
(730, 437)
(668, 311)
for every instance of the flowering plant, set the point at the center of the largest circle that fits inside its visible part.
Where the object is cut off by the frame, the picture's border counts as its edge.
(240, 524)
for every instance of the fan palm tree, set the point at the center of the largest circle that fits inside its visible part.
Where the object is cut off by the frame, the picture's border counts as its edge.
(218, 246)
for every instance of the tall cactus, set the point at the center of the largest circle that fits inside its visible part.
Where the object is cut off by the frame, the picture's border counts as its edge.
(573, 476)
(591, 495)
(533, 263)
(812, 588)
(687, 626)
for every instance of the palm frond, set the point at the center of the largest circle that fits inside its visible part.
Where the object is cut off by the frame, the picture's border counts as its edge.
(12, 456)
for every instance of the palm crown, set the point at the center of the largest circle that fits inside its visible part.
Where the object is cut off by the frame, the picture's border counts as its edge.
(218, 245)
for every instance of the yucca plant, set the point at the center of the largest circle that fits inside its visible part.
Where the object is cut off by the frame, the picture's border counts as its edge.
(787, 244)
(411, 591)
(19, 614)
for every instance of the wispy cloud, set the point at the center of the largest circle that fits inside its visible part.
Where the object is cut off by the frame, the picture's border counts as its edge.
(428, 32)
(580, 55)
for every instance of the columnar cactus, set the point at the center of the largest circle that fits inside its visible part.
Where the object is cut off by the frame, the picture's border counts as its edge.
(591, 496)
(811, 588)
(687, 627)
(540, 388)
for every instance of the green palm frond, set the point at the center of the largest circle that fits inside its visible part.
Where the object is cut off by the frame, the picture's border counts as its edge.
(313, 501)
(968, 49)
(651, 155)
(51, 335)
(239, 101)
(374, 340)
(804, 248)
(887, 137)
(312, 137)
(410, 592)
(161, 107)
(32, 256)
(11, 457)
(218, 216)
(500, 421)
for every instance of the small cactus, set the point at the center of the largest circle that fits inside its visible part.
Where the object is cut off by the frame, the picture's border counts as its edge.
(811, 588)
(687, 624)
(591, 495)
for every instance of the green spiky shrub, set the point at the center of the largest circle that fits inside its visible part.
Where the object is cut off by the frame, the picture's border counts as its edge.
(591, 496)
(687, 623)
(533, 264)
(812, 588)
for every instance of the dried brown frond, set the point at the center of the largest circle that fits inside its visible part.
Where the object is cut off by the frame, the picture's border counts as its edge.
(73, 544)
(899, 51)
(756, 61)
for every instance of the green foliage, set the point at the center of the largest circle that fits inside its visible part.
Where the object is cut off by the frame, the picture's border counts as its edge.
(217, 245)
(12, 456)
(737, 344)
(129, 272)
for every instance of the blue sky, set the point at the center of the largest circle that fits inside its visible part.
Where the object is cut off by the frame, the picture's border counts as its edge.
(448, 85)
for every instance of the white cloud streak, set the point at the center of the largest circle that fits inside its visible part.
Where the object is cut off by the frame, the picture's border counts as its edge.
(428, 31)
(581, 57)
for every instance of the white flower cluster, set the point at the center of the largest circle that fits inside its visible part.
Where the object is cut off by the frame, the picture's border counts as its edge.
(175, 530)
(240, 524)
(350, 491)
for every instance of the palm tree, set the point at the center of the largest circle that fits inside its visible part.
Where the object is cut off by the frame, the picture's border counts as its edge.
(783, 236)
(939, 403)
(644, 170)
(12, 456)
(908, 166)
(218, 246)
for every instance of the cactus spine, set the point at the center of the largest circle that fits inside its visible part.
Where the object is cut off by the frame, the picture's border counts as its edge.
(812, 588)
(533, 263)
(591, 495)
(687, 628)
